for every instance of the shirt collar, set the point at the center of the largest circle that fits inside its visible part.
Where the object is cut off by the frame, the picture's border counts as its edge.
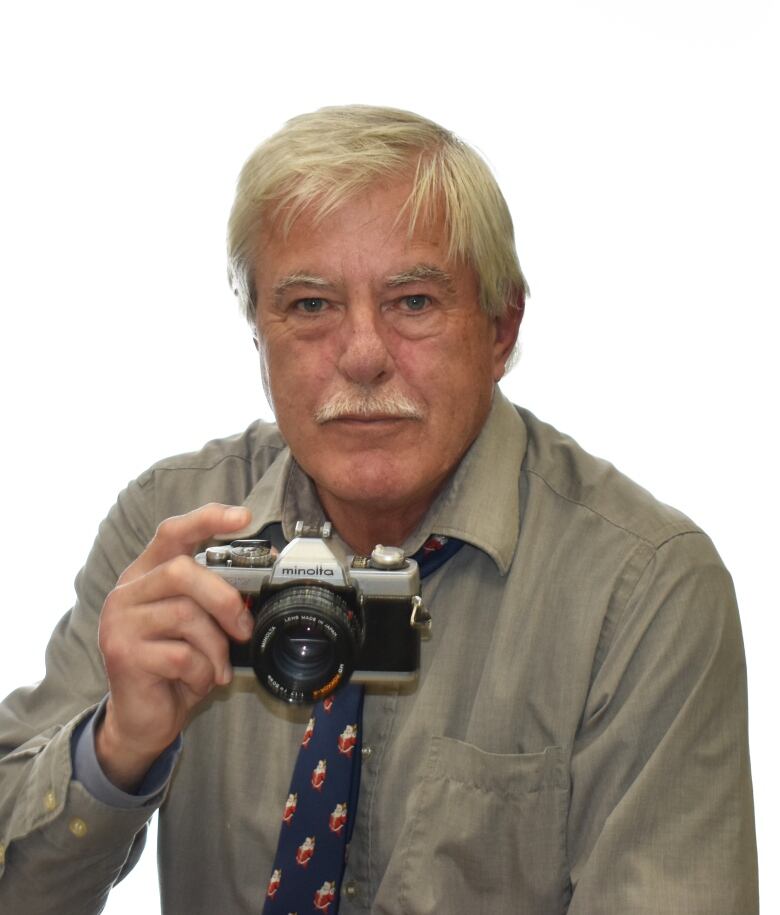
(480, 504)
(283, 495)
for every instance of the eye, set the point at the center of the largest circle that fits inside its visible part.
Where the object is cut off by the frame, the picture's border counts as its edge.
(311, 306)
(415, 303)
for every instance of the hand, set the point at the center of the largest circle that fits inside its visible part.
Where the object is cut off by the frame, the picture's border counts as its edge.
(164, 638)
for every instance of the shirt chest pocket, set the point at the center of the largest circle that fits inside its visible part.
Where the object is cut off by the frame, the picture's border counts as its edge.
(486, 834)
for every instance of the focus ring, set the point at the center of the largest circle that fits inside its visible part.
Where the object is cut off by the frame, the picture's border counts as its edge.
(305, 643)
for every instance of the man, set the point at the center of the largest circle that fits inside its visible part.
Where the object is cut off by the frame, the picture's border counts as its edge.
(576, 741)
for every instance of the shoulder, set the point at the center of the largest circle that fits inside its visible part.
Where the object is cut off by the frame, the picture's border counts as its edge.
(646, 565)
(223, 470)
(259, 443)
(559, 470)
(647, 574)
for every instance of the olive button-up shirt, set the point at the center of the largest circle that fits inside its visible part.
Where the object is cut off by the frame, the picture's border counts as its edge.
(576, 740)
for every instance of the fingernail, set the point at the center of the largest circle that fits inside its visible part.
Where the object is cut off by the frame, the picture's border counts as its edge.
(246, 624)
(236, 515)
(227, 674)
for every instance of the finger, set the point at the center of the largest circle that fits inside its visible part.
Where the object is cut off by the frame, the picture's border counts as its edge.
(178, 661)
(128, 642)
(179, 535)
(181, 618)
(183, 577)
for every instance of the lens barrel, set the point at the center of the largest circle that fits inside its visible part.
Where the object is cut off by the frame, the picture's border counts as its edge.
(305, 643)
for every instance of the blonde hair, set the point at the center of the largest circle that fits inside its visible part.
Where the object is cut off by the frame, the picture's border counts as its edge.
(323, 158)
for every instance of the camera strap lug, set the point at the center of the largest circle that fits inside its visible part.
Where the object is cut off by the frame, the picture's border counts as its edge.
(421, 619)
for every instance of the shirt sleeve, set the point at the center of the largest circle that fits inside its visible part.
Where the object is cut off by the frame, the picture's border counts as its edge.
(661, 815)
(61, 848)
(88, 771)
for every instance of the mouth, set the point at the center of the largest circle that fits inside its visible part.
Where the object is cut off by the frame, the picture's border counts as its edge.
(368, 410)
(379, 422)
(370, 418)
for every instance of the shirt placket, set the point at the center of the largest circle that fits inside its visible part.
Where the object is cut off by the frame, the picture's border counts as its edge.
(363, 872)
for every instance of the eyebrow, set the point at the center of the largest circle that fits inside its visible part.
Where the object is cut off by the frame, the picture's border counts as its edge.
(415, 274)
(299, 279)
(420, 272)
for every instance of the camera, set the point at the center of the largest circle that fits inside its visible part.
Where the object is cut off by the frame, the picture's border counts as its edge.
(321, 616)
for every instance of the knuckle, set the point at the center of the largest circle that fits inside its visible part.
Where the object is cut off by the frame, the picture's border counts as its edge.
(105, 644)
(114, 650)
(179, 572)
(125, 577)
(110, 604)
(166, 529)
(188, 666)
(179, 660)
(110, 625)
(228, 602)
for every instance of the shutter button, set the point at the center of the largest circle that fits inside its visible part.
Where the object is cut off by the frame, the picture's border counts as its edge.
(387, 557)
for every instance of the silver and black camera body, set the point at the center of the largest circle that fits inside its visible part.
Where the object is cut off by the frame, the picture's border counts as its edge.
(321, 616)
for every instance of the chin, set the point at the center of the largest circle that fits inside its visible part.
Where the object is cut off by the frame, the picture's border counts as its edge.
(381, 484)
(379, 493)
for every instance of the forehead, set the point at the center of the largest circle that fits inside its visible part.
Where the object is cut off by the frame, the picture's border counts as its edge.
(366, 232)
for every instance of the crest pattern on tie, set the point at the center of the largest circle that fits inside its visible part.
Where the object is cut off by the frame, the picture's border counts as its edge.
(319, 813)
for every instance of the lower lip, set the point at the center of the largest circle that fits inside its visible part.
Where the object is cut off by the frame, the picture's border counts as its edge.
(384, 422)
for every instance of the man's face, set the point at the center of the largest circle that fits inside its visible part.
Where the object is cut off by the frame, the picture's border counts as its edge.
(379, 360)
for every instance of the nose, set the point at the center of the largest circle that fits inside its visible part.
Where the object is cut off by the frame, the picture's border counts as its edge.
(364, 357)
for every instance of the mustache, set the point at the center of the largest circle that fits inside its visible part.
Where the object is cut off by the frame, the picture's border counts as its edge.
(359, 402)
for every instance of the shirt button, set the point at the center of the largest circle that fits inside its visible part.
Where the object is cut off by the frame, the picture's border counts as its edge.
(366, 751)
(78, 827)
(49, 801)
(350, 889)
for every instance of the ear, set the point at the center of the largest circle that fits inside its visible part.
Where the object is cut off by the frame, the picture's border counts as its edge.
(507, 327)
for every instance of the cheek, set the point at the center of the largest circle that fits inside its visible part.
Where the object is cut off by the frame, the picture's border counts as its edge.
(460, 369)
(297, 367)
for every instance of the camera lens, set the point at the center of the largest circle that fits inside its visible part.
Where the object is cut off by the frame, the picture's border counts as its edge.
(305, 642)
(301, 650)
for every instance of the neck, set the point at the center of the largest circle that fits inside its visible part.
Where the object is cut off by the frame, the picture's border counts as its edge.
(362, 528)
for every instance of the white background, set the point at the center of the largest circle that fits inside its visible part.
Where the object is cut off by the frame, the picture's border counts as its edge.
(637, 146)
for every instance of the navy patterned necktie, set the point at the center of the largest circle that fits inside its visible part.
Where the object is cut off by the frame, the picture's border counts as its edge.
(319, 814)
